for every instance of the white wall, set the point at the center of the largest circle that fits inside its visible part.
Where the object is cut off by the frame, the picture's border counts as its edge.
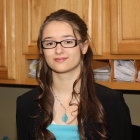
(8, 97)
(133, 102)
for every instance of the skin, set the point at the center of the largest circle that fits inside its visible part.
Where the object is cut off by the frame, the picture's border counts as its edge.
(65, 64)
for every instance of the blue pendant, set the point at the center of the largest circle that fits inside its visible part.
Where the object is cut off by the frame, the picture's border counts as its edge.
(64, 118)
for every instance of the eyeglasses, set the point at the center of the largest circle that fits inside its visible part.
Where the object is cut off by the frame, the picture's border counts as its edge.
(68, 43)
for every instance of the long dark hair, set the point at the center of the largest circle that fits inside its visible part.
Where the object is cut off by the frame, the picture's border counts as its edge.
(90, 110)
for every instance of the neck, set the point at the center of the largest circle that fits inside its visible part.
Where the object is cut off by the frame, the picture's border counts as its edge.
(63, 83)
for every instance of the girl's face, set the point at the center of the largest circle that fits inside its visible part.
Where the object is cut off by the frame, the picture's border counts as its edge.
(59, 59)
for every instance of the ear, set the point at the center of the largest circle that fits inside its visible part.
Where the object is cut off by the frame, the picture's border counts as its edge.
(84, 47)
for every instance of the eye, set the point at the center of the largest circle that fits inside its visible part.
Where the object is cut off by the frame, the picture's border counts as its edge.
(48, 43)
(69, 41)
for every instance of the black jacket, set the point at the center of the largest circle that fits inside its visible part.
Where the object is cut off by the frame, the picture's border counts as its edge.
(117, 113)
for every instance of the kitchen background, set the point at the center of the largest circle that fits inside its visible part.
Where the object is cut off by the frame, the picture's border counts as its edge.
(115, 35)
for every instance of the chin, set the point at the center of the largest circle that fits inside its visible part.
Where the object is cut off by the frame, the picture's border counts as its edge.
(60, 71)
(66, 69)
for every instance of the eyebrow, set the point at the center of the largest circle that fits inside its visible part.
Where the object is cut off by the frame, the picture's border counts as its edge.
(62, 36)
(68, 36)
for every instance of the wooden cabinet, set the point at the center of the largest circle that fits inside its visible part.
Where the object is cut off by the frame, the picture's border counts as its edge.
(125, 26)
(121, 30)
(113, 27)
(10, 41)
(121, 39)
(7, 41)
(34, 12)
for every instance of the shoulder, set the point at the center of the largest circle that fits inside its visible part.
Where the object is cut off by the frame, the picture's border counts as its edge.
(27, 101)
(105, 92)
(27, 110)
(108, 96)
(112, 100)
(30, 95)
(117, 112)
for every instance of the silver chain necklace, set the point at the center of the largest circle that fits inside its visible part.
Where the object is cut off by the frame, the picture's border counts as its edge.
(64, 116)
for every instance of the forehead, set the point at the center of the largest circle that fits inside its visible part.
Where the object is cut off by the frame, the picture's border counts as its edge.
(58, 29)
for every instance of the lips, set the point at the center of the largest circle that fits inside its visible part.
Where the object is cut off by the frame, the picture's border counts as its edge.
(62, 59)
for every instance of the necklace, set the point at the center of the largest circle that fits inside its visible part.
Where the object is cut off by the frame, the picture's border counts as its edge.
(64, 116)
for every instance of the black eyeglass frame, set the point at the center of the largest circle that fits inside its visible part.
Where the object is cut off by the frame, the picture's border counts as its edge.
(60, 42)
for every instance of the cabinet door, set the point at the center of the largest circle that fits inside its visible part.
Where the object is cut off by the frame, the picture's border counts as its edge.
(35, 11)
(7, 40)
(125, 26)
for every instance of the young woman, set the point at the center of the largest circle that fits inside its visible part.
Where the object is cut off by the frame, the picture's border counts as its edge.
(68, 105)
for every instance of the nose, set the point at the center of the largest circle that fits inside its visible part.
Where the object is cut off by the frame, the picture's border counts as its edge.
(58, 49)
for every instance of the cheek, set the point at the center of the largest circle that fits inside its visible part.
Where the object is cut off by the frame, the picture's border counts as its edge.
(76, 56)
(48, 57)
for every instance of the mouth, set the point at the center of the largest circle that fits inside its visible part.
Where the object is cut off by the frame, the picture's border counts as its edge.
(62, 59)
